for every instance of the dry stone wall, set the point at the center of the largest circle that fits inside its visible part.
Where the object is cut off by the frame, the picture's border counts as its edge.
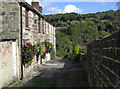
(103, 59)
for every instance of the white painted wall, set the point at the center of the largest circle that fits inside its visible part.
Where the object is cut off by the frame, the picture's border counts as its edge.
(50, 29)
(14, 59)
(0, 71)
(48, 56)
(46, 27)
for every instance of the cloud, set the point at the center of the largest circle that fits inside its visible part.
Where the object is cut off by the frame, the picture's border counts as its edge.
(49, 9)
(67, 9)
(54, 10)
(113, 8)
(28, 1)
(72, 8)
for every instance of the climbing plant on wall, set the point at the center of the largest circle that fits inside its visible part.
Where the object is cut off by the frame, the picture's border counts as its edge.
(29, 50)
(48, 46)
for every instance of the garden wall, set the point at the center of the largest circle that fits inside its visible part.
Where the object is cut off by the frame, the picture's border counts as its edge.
(9, 61)
(103, 62)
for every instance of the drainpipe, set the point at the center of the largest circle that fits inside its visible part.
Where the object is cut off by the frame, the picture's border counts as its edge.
(21, 37)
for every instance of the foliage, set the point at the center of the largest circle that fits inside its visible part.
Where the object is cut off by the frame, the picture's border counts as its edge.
(28, 52)
(40, 48)
(80, 29)
(48, 46)
(103, 33)
(76, 51)
(16, 85)
(43, 55)
(83, 49)
(53, 53)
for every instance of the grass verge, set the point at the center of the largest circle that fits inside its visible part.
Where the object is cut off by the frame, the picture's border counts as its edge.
(42, 82)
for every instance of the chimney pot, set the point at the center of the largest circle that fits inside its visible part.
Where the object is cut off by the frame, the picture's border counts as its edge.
(36, 5)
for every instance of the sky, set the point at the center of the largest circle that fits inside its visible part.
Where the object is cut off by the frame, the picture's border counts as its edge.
(77, 6)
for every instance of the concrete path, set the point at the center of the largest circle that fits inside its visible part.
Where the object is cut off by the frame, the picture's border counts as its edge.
(67, 74)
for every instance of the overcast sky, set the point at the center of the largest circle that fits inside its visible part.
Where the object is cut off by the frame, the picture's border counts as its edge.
(78, 6)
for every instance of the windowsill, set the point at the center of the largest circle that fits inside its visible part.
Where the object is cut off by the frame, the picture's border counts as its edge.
(27, 28)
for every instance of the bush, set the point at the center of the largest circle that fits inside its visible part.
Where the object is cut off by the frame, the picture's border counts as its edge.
(76, 58)
(76, 51)
(53, 54)
(83, 50)
(79, 53)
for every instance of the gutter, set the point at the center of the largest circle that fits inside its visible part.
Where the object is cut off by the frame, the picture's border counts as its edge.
(20, 40)
(33, 9)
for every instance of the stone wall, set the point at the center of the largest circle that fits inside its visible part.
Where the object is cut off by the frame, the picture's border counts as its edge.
(103, 62)
(10, 21)
(10, 17)
(36, 62)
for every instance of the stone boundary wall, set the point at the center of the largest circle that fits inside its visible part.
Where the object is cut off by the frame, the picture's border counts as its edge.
(9, 60)
(103, 62)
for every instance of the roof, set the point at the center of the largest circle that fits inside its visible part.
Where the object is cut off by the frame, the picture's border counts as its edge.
(28, 6)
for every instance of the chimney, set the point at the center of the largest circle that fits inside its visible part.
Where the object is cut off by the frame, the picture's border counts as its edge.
(40, 9)
(36, 5)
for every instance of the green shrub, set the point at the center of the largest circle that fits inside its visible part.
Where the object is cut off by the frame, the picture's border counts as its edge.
(53, 54)
(76, 51)
(103, 33)
(83, 50)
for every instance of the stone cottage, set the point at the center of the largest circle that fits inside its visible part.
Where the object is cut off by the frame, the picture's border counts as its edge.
(26, 22)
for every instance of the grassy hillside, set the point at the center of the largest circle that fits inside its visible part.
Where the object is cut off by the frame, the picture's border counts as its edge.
(74, 31)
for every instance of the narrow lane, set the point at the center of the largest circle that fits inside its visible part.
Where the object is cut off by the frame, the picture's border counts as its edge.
(59, 73)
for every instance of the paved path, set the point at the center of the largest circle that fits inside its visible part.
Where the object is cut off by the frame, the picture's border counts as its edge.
(67, 74)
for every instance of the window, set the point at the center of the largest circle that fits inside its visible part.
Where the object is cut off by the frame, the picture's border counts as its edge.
(26, 17)
(35, 21)
(39, 25)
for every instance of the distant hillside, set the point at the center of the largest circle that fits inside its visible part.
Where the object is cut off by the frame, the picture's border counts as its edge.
(108, 18)
(79, 29)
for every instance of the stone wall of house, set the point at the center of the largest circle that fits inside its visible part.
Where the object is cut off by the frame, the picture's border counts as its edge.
(103, 59)
(10, 21)
(9, 62)
(36, 62)
(10, 17)
(28, 68)
(0, 17)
